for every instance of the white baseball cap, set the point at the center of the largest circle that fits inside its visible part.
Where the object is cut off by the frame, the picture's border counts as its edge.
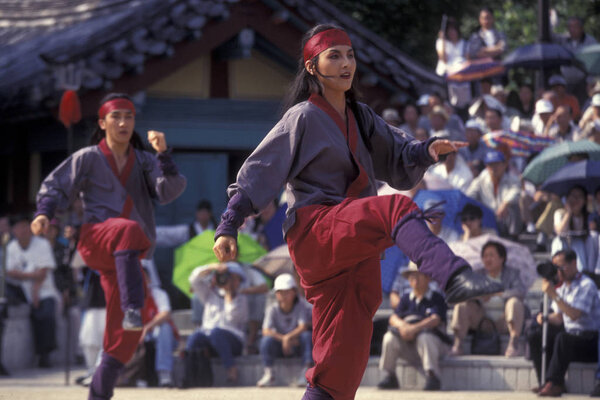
(543, 106)
(596, 100)
(474, 124)
(284, 282)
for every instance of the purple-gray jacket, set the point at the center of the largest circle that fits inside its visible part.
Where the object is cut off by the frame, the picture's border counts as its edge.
(307, 151)
(87, 174)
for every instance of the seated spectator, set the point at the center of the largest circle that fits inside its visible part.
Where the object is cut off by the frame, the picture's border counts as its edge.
(286, 330)
(592, 131)
(421, 134)
(522, 101)
(452, 169)
(543, 111)
(561, 126)
(411, 120)
(424, 110)
(470, 220)
(416, 332)
(474, 153)
(454, 124)
(255, 288)
(558, 85)
(571, 226)
(576, 307)
(469, 314)
(29, 266)
(225, 313)
(391, 116)
(173, 236)
(500, 94)
(592, 113)
(437, 120)
(498, 189)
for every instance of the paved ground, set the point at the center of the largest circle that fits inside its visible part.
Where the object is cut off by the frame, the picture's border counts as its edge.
(50, 385)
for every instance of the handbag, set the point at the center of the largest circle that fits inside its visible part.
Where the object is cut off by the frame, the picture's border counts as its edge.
(486, 340)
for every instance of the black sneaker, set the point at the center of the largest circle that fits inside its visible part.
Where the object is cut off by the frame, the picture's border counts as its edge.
(44, 361)
(432, 382)
(596, 391)
(132, 320)
(466, 284)
(389, 382)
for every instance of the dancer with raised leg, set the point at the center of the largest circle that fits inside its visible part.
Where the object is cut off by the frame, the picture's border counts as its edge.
(329, 150)
(117, 182)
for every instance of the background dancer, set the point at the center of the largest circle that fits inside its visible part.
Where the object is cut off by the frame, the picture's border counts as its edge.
(117, 182)
(330, 150)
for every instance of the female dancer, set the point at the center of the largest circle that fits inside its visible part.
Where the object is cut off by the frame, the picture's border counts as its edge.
(117, 182)
(330, 150)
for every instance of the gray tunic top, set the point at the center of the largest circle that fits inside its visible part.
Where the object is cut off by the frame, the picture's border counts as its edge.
(307, 150)
(87, 174)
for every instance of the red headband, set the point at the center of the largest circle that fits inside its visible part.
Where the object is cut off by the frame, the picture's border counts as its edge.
(115, 104)
(324, 40)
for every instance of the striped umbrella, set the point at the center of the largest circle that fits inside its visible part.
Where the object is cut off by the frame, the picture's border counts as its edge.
(472, 70)
(522, 144)
(555, 157)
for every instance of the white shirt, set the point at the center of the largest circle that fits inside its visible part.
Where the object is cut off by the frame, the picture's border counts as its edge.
(454, 54)
(460, 177)
(37, 255)
(482, 189)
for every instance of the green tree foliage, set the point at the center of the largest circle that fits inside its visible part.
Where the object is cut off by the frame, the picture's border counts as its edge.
(413, 25)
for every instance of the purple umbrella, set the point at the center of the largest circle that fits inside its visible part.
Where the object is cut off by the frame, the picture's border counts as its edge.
(583, 173)
(472, 70)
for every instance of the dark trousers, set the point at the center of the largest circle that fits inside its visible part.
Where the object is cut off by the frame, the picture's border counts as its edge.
(534, 338)
(43, 319)
(570, 347)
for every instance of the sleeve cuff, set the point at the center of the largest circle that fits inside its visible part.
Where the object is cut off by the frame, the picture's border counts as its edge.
(238, 208)
(45, 206)
(166, 163)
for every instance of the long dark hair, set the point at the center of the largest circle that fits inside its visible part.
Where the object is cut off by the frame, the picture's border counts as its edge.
(305, 84)
(99, 134)
(584, 210)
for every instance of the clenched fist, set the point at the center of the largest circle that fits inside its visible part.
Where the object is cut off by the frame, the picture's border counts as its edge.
(39, 226)
(157, 140)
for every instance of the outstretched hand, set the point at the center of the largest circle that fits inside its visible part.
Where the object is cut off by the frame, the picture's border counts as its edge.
(39, 226)
(157, 140)
(444, 146)
(225, 248)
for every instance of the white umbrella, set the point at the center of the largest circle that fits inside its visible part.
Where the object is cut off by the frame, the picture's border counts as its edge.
(276, 262)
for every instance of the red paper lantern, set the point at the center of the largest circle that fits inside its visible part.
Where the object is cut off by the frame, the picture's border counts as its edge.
(69, 111)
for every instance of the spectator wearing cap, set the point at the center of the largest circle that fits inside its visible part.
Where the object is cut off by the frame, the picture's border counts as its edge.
(468, 315)
(225, 313)
(592, 113)
(474, 153)
(286, 330)
(391, 116)
(561, 126)
(593, 131)
(471, 217)
(543, 111)
(416, 332)
(558, 85)
(437, 120)
(498, 189)
(411, 119)
(453, 169)
(29, 267)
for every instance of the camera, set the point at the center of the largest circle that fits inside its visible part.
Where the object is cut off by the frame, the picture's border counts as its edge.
(221, 278)
(548, 271)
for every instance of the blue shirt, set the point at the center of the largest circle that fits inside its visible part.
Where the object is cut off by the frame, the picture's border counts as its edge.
(581, 294)
(431, 303)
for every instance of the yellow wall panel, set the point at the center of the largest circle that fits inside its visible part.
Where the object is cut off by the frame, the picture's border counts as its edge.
(191, 80)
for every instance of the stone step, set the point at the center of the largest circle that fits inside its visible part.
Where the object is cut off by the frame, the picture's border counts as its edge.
(458, 373)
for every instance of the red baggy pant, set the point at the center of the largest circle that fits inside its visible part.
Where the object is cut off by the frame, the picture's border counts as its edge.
(97, 244)
(336, 251)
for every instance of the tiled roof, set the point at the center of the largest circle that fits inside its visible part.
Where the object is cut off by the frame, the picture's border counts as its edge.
(45, 44)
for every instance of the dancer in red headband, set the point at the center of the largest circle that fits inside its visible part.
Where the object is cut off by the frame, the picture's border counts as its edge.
(117, 182)
(330, 150)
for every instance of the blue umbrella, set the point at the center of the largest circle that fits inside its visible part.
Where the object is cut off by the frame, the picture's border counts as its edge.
(455, 200)
(583, 173)
(539, 55)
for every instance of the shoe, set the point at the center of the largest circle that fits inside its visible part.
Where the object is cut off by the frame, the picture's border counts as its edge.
(596, 391)
(389, 382)
(432, 382)
(132, 320)
(44, 361)
(465, 284)
(536, 390)
(164, 379)
(3, 371)
(268, 379)
(551, 390)
(301, 381)
(513, 349)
